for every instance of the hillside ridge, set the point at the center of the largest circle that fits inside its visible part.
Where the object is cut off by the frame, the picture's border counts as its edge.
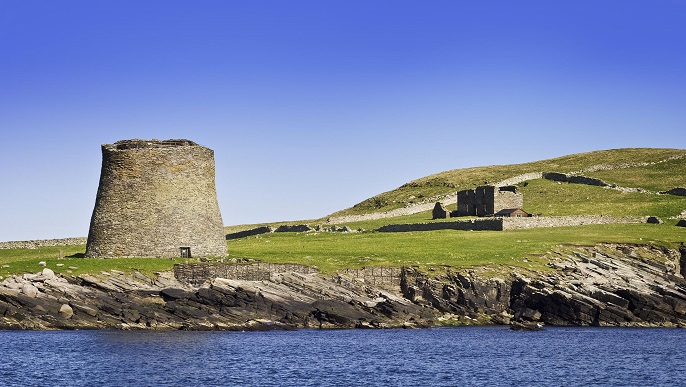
(572, 165)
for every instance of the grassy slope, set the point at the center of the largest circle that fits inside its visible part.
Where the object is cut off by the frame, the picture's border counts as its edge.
(672, 174)
(331, 251)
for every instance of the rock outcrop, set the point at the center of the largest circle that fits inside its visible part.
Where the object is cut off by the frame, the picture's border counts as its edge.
(605, 285)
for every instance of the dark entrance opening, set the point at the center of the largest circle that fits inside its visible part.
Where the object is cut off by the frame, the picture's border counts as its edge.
(185, 252)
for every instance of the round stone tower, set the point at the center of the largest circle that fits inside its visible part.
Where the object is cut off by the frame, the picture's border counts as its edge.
(156, 199)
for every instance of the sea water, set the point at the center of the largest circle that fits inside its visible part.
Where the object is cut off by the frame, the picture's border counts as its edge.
(470, 356)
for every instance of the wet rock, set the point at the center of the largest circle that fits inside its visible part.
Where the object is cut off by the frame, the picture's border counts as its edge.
(528, 326)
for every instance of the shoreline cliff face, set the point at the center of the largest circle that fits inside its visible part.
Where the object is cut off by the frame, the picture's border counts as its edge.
(605, 285)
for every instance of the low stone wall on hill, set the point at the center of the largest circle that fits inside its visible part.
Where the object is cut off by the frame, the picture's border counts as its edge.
(678, 191)
(410, 209)
(574, 179)
(500, 224)
(251, 232)
(33, 244)
(563, 221)
(520, 179)
(492, 224)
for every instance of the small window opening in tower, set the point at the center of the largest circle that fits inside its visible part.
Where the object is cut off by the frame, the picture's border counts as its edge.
(185, 252)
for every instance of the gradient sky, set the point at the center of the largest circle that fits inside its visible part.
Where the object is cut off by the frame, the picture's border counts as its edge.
(313, 106)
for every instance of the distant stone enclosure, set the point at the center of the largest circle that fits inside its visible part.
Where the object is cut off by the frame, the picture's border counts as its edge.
(156, 199)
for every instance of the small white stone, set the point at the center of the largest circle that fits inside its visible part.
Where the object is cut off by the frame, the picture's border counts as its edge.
(48, 273)
(29, 290)
(42, 263)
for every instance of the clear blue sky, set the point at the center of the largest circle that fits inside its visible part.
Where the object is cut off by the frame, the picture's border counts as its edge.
(313, 106)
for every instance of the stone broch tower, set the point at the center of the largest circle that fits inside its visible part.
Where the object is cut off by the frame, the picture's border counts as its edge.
(156, 199)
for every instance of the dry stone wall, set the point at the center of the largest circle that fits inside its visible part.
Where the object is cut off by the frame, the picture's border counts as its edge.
(678, 191)
(520, 179)
(155, 197)
(574, 179)
(33, 244)
(493, 224)
(197, 273)
(383, 277)
(501, 224)
(563, 221)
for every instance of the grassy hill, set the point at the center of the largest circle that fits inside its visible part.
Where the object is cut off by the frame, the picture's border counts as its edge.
(664, 174)
(652, 170)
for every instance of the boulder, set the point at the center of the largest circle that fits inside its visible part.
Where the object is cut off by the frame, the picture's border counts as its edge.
(66, 311)
(29, 290)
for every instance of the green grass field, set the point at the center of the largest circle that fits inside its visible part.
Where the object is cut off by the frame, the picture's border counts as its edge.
(497, 250)
(68, 260)
(516, 248)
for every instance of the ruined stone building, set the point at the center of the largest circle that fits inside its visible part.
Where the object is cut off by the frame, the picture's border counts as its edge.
(487, 200)
(156, 199)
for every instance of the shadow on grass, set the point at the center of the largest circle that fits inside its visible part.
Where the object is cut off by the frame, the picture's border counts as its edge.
(77, 255)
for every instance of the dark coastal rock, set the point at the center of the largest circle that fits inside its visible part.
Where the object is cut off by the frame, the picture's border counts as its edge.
(606, 285)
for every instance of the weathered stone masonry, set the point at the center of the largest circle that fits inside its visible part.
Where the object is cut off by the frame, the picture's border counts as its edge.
(501, 224)
(154, 198)
(487, 200)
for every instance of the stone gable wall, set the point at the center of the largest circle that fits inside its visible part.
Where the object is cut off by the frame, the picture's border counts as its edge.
(155, 197)
(487, 200)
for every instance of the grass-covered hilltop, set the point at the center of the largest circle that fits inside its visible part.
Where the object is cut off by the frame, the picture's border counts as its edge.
(605, 247)
(637, 181)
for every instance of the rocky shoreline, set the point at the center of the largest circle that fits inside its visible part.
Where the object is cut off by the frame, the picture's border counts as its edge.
(605, 285)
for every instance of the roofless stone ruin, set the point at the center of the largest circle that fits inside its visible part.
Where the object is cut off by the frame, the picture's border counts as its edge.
(156, 199)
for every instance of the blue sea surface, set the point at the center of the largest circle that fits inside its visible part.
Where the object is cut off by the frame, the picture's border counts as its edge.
(470, 356)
